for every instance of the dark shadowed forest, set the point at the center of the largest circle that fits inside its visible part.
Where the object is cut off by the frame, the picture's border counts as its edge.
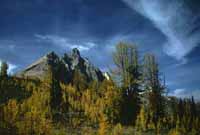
(69, 96)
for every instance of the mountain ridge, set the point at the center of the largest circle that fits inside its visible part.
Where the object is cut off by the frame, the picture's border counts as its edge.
(65, 66)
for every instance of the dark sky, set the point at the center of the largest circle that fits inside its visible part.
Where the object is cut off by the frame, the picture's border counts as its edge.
(168, 28)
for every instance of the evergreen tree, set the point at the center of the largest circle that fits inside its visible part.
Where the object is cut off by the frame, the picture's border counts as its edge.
(180, 109)
(4, 69)
(154, 89)
(126, 61)
(55, 89)
(193, 108)
(141, 123)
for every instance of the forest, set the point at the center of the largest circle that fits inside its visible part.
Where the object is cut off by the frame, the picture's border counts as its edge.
(133, 101)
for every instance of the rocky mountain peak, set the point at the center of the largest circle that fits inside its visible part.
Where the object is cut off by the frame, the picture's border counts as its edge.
(75, 53)
(52, 58)
(65, 67)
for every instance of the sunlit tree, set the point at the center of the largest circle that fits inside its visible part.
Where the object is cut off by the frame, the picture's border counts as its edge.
(128, 69)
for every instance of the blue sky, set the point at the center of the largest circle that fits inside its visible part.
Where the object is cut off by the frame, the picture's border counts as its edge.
(168, 28)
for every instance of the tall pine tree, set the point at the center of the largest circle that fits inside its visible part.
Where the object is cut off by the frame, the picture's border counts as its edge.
(4, 69)
(154, 89)
(128, 69)
(52, 80)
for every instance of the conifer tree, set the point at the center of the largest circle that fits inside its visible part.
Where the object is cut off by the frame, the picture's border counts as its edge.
(55, 89)
(4, 68)
(103, 125)
(141, 123)
(193, 108)
(154, 88)
(126, 60)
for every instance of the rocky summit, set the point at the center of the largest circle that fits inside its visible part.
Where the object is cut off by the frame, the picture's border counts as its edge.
(65, 67)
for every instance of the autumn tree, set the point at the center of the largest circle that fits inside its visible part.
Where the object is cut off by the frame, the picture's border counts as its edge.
(8, 117)
(154, 89)
(128, 69)
(79, 80)
(126, 59)
(103, 125)
(141, 122)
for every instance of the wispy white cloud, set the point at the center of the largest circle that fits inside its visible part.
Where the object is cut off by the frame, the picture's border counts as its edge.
(184, 93)
(65, 43)
(174, 20)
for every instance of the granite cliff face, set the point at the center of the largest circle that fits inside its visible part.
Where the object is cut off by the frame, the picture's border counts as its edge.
(64, 67)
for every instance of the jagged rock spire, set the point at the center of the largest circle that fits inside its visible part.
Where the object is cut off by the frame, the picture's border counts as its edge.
(52, 58)
(64, 67)
(75, 53)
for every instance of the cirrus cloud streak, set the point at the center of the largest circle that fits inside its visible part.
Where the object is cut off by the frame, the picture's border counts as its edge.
(175, 20)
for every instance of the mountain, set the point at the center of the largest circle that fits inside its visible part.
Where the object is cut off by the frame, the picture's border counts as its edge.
(65, 67)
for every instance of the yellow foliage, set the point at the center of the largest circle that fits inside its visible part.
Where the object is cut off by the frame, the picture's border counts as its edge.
(141, 120)
(117, 130)
(32, 116)
(174, 132)
(103, 125)
(11, 111)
